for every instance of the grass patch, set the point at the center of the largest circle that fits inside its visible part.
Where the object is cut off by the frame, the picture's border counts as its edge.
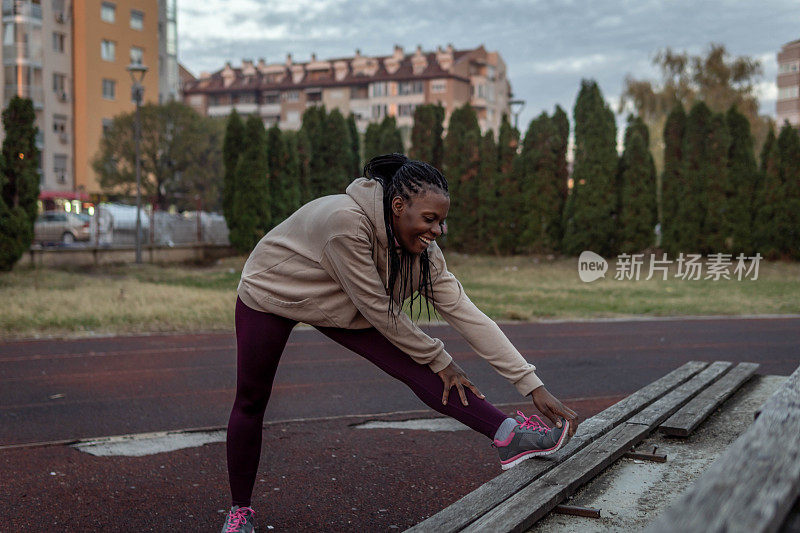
(152, 298)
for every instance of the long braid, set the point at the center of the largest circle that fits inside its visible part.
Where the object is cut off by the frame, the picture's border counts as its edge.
(404, 177)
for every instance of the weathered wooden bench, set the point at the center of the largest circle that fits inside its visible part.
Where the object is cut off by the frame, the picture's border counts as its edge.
(755, 483)
(678, 403)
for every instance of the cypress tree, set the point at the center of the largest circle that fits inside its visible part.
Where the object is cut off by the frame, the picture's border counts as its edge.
(294, 191)
(21, 188)
(391, 140)
(715, 233)
(507, 215)
(337, 154)
(461, 161)
(231, 148)
(744, 181)
(637, 184)
(314, 126)
(692, 203)
(355, 146)
(304, 166)
(251, 198)
(788, 215)
(372, 141)
(486, 191)
(427, 143)
(19, 181)
(561, 122)
(284, 188)
(770, 195)
(590, 206)
(672, 181)
(537, 168)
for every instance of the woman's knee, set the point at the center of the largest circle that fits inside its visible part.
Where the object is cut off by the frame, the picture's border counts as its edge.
(251, 401)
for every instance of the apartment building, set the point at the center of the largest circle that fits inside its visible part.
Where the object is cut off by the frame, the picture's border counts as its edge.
(788, 104)
(369, 87)
(71, 57)
(109, 36)
(37, 56)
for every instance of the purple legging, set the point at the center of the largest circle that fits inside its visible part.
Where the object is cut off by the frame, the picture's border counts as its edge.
(260, 340)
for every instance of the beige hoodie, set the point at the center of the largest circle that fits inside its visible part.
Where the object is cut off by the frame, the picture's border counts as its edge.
(328, 263)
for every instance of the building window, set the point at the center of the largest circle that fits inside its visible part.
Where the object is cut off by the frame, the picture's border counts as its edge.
(60, 167)
(785, 68)
(379, 89)
(272, 98)
(59, 83)
(406, 110)
(109, 89)
(293, 117)
(410, 87)
(58, 42)
(291, 96)
(244, 98)
(491, 72)
(59, 123)
(108, 50)
(439, 86)
(314, 96)
(137, 55)
(108, 12)
(378, 111)
(137, 20)
(107, 123)
(785, 93)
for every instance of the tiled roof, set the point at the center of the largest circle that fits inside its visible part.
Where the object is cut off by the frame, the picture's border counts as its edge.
(258, 81)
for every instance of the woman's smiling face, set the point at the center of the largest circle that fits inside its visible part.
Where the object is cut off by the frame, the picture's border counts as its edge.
(418, 221)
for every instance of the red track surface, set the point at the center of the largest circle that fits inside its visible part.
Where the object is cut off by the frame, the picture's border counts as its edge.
(328, 475)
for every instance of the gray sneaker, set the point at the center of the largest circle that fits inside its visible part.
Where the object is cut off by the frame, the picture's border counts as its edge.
(239, 520)
(530, 438)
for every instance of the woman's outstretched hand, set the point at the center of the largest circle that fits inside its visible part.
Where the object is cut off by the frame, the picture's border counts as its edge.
(549, 406)
(453, 375)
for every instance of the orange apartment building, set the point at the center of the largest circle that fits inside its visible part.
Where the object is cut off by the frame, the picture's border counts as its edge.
(109, 35)
(369, 87)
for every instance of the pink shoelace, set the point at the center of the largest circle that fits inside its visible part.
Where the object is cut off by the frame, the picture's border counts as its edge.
(237, 518)
(529, 422)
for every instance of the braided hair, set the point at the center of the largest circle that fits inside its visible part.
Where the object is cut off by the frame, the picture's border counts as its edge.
(407, 178)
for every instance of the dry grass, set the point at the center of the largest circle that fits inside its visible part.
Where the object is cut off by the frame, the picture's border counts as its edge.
(129, 299)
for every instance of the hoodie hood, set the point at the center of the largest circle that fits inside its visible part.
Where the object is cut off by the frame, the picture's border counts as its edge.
(368, 194)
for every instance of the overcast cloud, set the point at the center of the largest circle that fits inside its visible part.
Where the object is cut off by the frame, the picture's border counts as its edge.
(548, 46)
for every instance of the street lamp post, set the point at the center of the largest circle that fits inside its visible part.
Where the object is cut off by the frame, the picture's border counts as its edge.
(137, 72)
(516, 108)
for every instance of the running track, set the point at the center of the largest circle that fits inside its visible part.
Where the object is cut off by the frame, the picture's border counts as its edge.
(53, 390)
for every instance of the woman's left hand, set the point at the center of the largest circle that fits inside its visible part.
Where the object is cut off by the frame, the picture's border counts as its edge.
(453, 375)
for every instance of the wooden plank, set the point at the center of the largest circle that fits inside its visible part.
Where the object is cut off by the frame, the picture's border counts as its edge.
(753, 485)
(528, 505)
(534, 501)
(691, 415)
(664, 407)
(480, 501)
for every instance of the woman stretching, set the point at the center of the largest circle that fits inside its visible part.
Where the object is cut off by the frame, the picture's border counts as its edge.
(345, 264)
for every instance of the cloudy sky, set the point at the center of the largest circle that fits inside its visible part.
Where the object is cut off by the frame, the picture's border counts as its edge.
(548, 45)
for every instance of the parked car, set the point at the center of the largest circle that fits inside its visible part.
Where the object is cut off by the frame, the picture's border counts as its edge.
(60, 226)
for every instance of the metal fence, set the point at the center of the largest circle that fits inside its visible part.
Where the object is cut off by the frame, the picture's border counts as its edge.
(115, 225)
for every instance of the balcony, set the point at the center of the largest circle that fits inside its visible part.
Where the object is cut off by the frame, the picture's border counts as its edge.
(14, 53)
(21, 8)
(270, 109)
(34, 92)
